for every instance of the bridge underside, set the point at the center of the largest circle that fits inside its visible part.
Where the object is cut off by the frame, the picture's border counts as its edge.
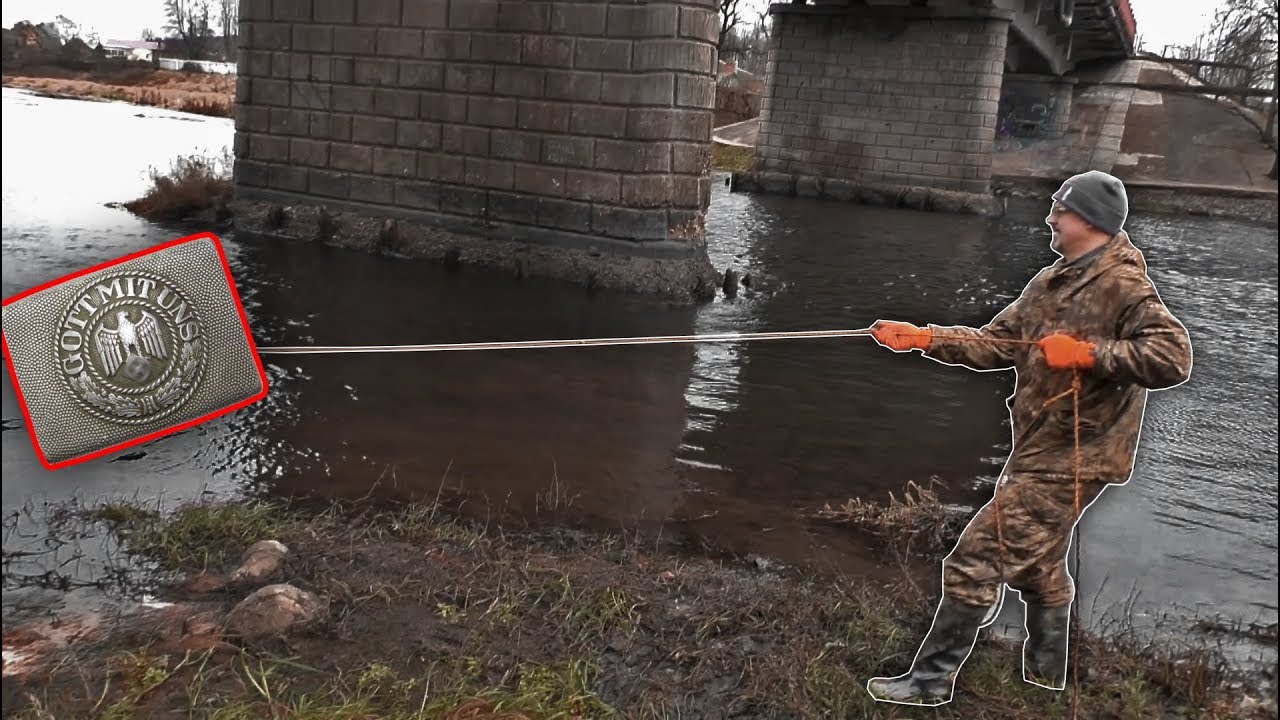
(877, 97)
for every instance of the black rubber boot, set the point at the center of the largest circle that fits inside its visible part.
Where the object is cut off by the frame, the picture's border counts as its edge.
(1044, 655)
(933, 674)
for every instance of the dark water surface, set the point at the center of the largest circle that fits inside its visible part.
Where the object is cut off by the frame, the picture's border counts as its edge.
(723, 446)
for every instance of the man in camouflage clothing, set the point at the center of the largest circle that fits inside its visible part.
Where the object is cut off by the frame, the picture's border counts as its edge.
(1094, 313)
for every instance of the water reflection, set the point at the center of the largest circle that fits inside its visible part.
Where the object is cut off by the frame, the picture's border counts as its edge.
(598, 423)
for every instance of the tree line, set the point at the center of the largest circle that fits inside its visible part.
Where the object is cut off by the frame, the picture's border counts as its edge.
(200, 26)
(744, 33)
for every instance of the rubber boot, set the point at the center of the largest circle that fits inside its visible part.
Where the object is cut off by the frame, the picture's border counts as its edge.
(1044, 655)
(932, 677)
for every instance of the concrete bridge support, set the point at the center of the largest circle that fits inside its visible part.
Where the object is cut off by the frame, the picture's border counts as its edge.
(560, 139)
(868, 101)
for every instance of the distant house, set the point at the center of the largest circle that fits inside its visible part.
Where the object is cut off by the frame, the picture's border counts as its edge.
(731, 76)
(144, 50)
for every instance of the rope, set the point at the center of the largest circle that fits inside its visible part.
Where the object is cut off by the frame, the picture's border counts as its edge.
(542, 344)
(1075, 606)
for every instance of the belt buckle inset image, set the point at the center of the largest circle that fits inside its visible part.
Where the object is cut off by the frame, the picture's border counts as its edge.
(130, 350)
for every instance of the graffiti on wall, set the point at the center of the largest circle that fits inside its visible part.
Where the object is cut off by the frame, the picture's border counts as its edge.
(1028, 109)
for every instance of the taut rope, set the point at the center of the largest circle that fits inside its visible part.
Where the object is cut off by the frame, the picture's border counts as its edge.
(543, 344)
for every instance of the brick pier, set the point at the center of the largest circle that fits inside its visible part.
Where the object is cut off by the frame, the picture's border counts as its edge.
(892, 105)
(563, 139)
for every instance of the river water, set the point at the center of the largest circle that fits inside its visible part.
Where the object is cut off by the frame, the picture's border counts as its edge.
(722, 447)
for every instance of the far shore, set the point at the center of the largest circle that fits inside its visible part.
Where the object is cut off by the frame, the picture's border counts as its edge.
(201, 93)
(214, 95)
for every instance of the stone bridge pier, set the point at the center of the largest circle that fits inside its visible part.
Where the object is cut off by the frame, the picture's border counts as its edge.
(559, 139)
(885, 104)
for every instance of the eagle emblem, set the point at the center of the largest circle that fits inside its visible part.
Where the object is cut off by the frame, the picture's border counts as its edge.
(130, 344)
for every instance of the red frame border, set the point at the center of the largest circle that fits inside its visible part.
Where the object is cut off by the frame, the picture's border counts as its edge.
(244, 322)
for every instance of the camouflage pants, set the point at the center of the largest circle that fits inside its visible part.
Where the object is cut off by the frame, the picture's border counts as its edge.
(1037, 515)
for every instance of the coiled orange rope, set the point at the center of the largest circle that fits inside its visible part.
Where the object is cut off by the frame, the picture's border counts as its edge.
(1075, 612)
(1074, 392)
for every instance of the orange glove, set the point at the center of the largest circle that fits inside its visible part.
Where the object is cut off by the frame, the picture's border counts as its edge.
(1063, 352)
(900, 336)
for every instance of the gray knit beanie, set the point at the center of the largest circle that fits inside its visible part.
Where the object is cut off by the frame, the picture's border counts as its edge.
(1097, 197)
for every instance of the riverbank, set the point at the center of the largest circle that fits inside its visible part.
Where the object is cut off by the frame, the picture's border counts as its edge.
(1170, 198)
(200, 93)
(422, 614)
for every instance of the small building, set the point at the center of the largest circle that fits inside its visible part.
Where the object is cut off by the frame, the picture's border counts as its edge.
(143, 50)
(732, 76)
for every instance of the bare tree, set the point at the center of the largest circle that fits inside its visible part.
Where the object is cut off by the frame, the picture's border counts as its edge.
(748, 46)
(1240, 51)
(189, 20)
(229, 14)
(68, 29)
(728, 19)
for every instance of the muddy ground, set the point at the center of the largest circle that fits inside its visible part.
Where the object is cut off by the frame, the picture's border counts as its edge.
(428, 615)
(201, 93)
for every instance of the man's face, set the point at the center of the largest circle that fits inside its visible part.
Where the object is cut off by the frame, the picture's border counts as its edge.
(1069, 229)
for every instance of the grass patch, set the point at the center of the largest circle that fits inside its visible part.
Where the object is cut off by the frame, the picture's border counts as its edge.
(140, 684)
(200, 93)
(193, 184)
(194, 537)
(919, 520)
(439, 617)
(731, 158)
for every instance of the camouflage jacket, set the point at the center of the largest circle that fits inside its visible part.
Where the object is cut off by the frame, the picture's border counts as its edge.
(1105, 298)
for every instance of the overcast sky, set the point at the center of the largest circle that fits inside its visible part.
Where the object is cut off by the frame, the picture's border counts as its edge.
(1160, 22)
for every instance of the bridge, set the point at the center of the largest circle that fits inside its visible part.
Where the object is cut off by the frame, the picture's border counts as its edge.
(871, 97)
(572, 139)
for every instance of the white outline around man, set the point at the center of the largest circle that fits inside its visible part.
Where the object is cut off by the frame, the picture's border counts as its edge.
(1094, 312)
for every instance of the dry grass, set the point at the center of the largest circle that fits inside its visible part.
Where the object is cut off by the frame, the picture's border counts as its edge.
(731, 158)
(192, 185)
(200, 93)
(918, 521)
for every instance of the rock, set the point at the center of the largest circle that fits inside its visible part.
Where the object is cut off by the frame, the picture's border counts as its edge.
(730, 284)
(205, 583)
(260, 562)
(273, 611)
(764, 564)
(204, 623)
(453, 258)
(186, 628)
